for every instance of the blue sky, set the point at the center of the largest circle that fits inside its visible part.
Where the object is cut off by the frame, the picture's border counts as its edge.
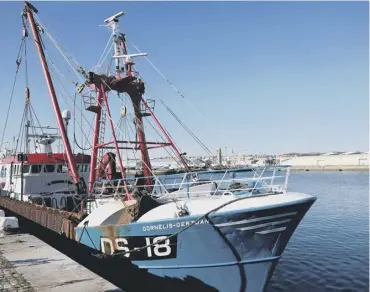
(268, 77)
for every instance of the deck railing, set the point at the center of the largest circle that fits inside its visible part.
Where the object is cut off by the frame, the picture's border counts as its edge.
(262, 180)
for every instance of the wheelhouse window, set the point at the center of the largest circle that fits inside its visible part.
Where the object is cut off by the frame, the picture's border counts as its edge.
(26, 169)
(3, 172)
(49, 168)
(62, 168)
(35, 168)
(83, 167)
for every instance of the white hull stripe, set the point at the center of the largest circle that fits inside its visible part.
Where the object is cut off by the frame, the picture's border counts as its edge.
(263, 225)
(275, 230)
(255, 219)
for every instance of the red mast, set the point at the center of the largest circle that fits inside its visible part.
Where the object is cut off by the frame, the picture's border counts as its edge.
(29, 10)
(138, 115)
(132, 85)
(94, 154)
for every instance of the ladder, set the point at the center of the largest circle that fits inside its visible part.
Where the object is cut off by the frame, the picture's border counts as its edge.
(103, 118)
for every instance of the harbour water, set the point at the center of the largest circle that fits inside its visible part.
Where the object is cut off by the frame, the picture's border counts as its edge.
(330, 249)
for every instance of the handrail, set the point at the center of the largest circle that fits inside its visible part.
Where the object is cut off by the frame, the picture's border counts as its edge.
(210, 171)
(192, 184)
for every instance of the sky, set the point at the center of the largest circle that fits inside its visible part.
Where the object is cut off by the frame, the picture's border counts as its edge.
(257, 77)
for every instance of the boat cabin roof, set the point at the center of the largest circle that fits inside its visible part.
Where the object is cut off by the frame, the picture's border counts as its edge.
(43, 158)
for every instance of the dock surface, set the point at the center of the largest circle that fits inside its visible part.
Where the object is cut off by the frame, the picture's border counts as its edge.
(28, 264)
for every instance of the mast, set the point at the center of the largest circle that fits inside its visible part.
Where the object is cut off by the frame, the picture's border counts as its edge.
(29, 9)
(94, 153)
(138, 113)
(136, 102)
(125, 80)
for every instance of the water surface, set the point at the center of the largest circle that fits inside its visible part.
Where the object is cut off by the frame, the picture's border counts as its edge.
(329, 250)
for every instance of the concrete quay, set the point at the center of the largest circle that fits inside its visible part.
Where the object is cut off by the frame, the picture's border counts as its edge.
(10, 279)
(27, 264)
(330, 168)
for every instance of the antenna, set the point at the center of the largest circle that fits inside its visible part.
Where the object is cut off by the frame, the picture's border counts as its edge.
(128, 58)
(112, 23)
(114, 17)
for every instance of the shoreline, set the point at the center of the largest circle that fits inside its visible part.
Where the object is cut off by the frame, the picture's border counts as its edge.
(330, 168)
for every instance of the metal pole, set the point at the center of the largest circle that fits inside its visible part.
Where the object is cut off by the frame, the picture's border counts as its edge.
(22, 177)
(165, 133)
(94, 153)
(142, 142)
(115, 142)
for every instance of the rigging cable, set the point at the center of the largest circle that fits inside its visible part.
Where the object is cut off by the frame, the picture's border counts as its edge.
(173, 86)
(37, 119)
(18, 62)
(201, 144)
(33, 130)
(63, 87)
(104, 55)
(19, 133)
(205, 148)
(173, 155)
(54, 72)
(64, 54)
(75, 71)
(74, 126)
(71, 59)
(60, 50)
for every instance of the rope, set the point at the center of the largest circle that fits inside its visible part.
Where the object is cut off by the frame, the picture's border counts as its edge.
(78, 75)
(18, 62)
(205, 148)
(25, 63)
(104, 55)
(84, 229)
(173, 154)
(73, 100)
(41, 129)
(74, 127)
(33, 130)
(133, 131)
(176, 89)
(159, 72)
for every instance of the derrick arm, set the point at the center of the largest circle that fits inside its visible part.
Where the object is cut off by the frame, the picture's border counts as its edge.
(29, 9)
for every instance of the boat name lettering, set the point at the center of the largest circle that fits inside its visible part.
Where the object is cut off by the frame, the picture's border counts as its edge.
(181, 224)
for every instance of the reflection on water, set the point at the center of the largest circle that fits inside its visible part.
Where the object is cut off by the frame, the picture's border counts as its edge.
(330, 249)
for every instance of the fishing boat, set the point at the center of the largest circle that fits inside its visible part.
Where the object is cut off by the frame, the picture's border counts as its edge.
(40, 175)
(194, 230)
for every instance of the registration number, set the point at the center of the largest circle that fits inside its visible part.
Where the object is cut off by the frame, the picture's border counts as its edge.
(156, 247)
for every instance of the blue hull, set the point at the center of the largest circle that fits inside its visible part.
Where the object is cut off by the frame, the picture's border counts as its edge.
(230, 251)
